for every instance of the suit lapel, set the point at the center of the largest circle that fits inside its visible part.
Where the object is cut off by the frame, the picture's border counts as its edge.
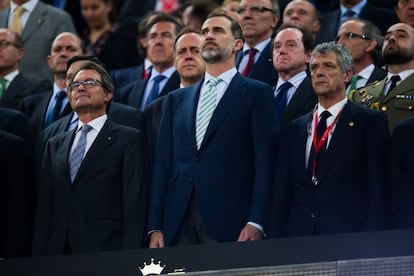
(340, 138)
(36, 18)
(137, 93)
(231, 98)
(299, 100)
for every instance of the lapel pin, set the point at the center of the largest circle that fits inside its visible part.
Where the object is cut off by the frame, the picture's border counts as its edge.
(351, 124)
(109, 138)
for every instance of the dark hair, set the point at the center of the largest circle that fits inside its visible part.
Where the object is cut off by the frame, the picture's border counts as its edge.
(164, 17)
(234, 25)
(107, 83)
(307, 36)
(84, 58)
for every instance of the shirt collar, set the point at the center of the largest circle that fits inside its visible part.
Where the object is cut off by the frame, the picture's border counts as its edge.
(96, 123)
(296, 80)
(167, 73)
(259, 46)
(357, 8)
(226, 77)
(334, 110)
(28, 6)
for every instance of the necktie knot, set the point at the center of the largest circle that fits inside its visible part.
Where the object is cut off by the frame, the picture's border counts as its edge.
(60, 95)
(349, 13)
(213, 82)
(158, 79)
(155, 90)
(18, 11)
(393, 80)
(322, 124)
(285, 86)
(85, 129)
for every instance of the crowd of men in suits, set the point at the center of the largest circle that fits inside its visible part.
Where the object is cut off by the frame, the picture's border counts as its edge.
(246, 129)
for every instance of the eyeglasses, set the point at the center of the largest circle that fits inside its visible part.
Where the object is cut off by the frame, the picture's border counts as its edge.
(6, 43)
(88, 83)
(349, 35)
(255, 10)
(404, 2)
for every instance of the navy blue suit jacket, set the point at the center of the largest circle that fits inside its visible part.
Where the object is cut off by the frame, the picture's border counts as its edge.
(350, 195)
(402, 176)
(230, 174)
(263, 69)
(122, 77)
(133, 93)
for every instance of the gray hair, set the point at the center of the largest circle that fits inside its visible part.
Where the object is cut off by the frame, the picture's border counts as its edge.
(343, 56)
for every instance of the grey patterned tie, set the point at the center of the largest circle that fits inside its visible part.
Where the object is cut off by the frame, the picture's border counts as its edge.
(207, 105)
(76, 157)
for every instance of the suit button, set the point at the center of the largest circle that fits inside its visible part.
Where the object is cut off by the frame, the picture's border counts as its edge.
(312, 215)
(410, 107)
(384, 108)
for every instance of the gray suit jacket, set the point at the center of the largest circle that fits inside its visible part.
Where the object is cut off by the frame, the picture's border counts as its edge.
(44, 24)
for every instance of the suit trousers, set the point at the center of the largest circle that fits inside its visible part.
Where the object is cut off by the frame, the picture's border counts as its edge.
(192, 229)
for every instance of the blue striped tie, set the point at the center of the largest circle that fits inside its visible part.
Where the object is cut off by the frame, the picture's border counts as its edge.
(207, 105)
(76, 157)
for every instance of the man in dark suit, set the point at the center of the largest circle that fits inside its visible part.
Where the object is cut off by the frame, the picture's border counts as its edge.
(363, 39)
(162, 30)
(191, 68)
(124, 76)
(394, 94)
(294, 95)
(257, 19)
(402, 172)
(330, 22)
(13, 84)
(330, 175)
(43, 109)
(212, 169)
(16, 197)
(40, 25)
(74, 9)
(93, 191)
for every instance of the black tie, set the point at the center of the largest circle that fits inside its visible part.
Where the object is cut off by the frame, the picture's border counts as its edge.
(320, 129)
(281, 98)
(394, 79)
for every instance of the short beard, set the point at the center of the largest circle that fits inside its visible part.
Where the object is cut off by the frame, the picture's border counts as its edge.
(396, 57)
(213, 56)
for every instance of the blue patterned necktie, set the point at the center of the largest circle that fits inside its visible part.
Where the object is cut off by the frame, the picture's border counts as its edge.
(207, 105)
(155, 91)
(76, 157)
(281, 97)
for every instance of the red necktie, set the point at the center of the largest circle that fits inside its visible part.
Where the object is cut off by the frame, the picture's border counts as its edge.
(250, 62)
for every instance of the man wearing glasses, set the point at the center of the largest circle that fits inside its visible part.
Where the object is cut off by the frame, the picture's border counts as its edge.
(363, 40)
(13, 85)
(93, 192)
(394, 94)
(257, 18)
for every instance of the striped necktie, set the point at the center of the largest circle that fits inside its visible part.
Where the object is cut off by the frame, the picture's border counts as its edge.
(76, 158)
(207, 105)
(16, 22)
